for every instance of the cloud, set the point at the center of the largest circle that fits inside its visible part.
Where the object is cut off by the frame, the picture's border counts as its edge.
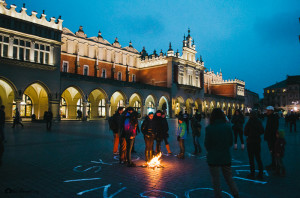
(282, 28)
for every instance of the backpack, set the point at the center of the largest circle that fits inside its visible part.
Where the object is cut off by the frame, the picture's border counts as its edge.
(129, 129)
(111, 124)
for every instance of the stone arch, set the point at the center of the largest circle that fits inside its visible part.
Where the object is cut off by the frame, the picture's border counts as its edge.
(179, 105)
(199, 105)
(96, 106)
(189, 106)
(150, 104)
(163, 105)
(71, 101)
(35, 100)
(8, 92)
(136, 101)
(117, 99)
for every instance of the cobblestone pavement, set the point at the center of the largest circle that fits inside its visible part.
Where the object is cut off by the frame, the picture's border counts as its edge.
(75, 160)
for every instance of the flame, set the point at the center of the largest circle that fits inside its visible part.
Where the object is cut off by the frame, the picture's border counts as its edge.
(155, 161)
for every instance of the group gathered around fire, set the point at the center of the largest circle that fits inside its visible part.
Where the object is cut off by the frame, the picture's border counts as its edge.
(220, 136)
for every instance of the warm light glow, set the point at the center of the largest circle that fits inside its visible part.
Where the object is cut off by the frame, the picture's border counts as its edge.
(155, 161)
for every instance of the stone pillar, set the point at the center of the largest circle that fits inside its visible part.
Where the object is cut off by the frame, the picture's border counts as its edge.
(51, 56)
(84, 112)
(54, 105)
(10, 47)
(18, 103)
(107, 104)
(31, 55)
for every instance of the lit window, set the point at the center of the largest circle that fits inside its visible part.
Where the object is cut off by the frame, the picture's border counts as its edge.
(284, 90)
(65, 66)
(273, 91)
(85, 70)
(4, 40)
(137, 106)
(268, 91)
(41, 53)
(101, 108)
(120, 103)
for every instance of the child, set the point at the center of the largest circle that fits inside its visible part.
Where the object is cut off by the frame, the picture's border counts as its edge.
(181, 135)
(279, 152)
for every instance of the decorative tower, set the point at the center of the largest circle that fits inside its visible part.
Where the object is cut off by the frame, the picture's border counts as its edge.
(170, 50)
(189, 48)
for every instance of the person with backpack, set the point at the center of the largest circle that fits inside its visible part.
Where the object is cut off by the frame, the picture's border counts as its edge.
(115, 124)
(196, 131)
(128, 134)
(149, 136)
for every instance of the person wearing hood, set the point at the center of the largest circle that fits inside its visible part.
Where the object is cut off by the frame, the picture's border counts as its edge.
(253, 130)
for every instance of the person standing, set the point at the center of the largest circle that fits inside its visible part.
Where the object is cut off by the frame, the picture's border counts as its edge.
(293, 121)
(149, 136)
(158, 130)
(2, 136)
(49, 117)
(181, 135)
(196, 130)
(218, 142)
(253, 130)
(279, 152)
(270, 133)
(115, 124)
(166, 132)
(17, 119)
(186, 119)
(238, 122)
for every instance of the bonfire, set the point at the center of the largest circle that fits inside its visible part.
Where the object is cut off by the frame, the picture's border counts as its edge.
(155, 162)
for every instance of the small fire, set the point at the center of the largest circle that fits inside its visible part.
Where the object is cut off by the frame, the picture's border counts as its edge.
(155, 162)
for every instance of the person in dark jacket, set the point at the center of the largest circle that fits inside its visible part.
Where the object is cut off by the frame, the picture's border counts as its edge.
(149, 136)
(186, 119)
(166, 133)
(293, 120)
(253, 130)
(279, 148)
(116, 127)
(17, 119)
(238, 122)
(48, 118)
(159, 130)
(218, 142)
(196, 130)
(2, 136)
(270, 133)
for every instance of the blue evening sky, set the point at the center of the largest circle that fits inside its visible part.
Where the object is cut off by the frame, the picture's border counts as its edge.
(253, 40)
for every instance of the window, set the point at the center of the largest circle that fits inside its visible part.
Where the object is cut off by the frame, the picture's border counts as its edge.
(120, 103)
(79, 105)
(137, 106)
(273, 91)
(103, 75)
(26, 106)
(63, 108)
(119, 76)
(4, 40)
(65, 66)
(180, 78)
(133, 78)
(85, 70)
(197, 82)
(190, 79)
(268, 91)
(41, 53)
(284, 90)
(101, 108)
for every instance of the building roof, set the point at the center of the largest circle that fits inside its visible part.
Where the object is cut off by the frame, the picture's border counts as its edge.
(280, 84)
(293, 80)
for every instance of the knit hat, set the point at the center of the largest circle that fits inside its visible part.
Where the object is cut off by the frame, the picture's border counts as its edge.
(281, 133)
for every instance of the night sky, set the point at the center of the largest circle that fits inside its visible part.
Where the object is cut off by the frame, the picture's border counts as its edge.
(255, 41)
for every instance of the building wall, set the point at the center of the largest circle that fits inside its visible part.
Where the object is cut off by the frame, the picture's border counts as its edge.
(154, 75)
(227, 90)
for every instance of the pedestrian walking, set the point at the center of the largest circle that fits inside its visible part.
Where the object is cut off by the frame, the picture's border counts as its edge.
(49, 117)
(286, 119)
(279, 152)
(218, 142)
(17, 119)
(270, 133)
(181, 135)
(196, 131)
(293, 120)
(238, 122)
(115, 124)
(2, 136)
(253, 130)
(149, 136)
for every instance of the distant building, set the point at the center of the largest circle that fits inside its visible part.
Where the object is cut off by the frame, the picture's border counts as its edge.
(251, 101)
(284, 95)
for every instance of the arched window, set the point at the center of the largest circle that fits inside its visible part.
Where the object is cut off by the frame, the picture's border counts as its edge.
(79, 105)
(85, 70)
(137, 106)
(119, 75)
(150, 107)
(26, 106)
(121, 103)
(101, 108)
(63, 108)
(103, 75)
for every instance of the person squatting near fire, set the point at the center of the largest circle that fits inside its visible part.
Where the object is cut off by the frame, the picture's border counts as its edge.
(253, 130)
(238, 122)
(181, 135)
(149, 135)
(128, 133)
(279, 149)
(270, 133)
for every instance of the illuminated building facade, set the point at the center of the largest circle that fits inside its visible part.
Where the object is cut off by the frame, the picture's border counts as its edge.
(44, 65)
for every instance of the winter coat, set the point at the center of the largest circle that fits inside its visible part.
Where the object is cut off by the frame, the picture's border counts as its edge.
(148, 127)
(196, 127)
(158, 127)
(2, 118)
(271, 128)
(117, 122)
(218, 141)
(253, 130)
(129, 126)
(238, 122)
(279, 147)
(181, 130)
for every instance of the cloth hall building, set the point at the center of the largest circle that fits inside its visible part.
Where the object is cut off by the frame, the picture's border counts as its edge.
(45, 65)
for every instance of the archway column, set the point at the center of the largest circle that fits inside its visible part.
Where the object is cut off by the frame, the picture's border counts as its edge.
(18, 103)
(84, 110)
(54, 106)
(107, 104)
